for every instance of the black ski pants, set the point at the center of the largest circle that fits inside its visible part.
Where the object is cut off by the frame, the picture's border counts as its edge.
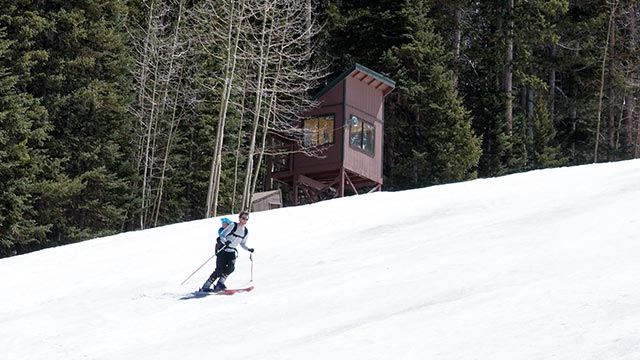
(225, 265)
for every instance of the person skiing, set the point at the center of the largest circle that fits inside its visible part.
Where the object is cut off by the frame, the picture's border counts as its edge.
(230, 238)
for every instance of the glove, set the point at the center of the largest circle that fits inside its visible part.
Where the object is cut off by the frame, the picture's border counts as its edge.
(228, 243)
(250, 250)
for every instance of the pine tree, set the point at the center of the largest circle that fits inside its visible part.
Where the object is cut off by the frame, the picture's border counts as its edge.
(546, 149)
(72, 59)
(358, 31)
(86, 92)
(581, 32)
(23, 131)
(428, 129)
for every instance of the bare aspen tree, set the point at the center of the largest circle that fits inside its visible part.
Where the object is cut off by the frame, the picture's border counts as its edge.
(632, 116)
(269, 41)
(173, 121)
(508, 82)
(221, 27)
(602, 78)
(286, 83)
(263, 48)
(283, 82)
(633, 78)
(237, 154)
(146, 110)
(612, 97)
(160, 47)
(625, 67)
(229, 75)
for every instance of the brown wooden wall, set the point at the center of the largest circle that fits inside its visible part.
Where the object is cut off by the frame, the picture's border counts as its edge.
(367, 104)
(331, 103)
(365, 98)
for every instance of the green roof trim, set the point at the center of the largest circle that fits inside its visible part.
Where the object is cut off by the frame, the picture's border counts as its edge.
(346, 73)
(376, 75)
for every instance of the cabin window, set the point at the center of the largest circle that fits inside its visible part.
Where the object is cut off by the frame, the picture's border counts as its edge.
(319, 130)
(362, 135)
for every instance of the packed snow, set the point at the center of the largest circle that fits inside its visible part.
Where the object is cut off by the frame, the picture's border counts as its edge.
(538, 265)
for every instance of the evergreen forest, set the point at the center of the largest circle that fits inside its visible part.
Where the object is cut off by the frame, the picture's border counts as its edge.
(120, 115)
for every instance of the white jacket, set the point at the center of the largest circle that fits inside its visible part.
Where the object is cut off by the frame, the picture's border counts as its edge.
(239, 237)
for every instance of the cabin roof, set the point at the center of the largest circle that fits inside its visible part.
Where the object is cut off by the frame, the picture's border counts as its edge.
(364, 74)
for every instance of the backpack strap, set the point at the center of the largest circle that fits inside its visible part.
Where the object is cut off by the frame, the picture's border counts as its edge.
(235, 227)
(218, 244)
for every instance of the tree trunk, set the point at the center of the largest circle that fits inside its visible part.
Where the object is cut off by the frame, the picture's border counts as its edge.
(552, 83)
(602, 79)
(633, 92)
(238, 150)
(508, 81)
(235, 24)
(263, 56)
(269, 113)
(611, 97)
(173, 122)
(457, 30)
(144, 141)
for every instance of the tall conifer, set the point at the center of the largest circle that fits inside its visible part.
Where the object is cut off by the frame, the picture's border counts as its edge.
(72, 58)
(428, 128)
(23, 130)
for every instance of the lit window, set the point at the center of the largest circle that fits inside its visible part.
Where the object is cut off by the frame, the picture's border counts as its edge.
(318, 130)
(362, 135)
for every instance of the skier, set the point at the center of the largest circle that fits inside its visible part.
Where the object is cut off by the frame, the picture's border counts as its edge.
(230, 237)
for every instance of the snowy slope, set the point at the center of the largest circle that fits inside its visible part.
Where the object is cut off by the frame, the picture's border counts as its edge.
(541, 265)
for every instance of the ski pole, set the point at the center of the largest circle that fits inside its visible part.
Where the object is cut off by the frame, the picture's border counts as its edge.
(251, 258)
(205, 263)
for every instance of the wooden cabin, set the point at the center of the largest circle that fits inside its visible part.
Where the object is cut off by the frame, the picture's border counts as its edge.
(347, 130)
(266, 200)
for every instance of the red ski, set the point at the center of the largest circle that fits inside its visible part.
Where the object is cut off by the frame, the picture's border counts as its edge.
(233, 291)
(200, 294)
